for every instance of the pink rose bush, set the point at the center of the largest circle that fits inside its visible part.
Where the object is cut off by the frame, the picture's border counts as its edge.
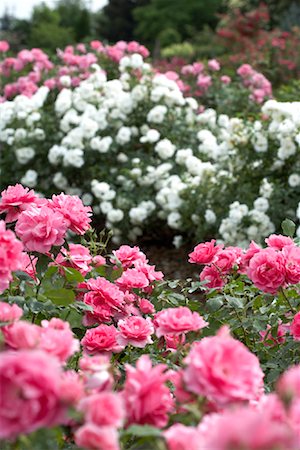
(106, 351)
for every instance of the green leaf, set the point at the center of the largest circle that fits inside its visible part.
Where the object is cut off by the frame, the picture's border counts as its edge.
(72, 275)
(288, 227)
(235, 302)
(61, 296)
(143, 430)
(214, 304)
(23, 276)
(116, 274)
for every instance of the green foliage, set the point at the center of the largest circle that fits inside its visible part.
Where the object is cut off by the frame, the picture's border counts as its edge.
(184, 50)
(159, 15)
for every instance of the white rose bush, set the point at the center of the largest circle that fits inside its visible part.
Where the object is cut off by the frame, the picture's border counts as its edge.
(98, 349)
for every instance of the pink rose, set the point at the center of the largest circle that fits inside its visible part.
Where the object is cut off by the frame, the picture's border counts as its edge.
(136, 331)
(129, 255)
(295, 327)
(41, 228)
(10, 313)
(225, 79)
(214, 65)
(147, 399)
(92, 437)
(267, 270)
(14, 200)
(249, 429)
(105, 298)
(181, 437)
(204, 253)
(71, 388)
(223, 370)
(4, 46)
(57, 339)
(29, 265)
(75, 213)
(288, 385)
(213, 277)
(278, 241)
(29, 383)
(101, 339)
(227, 258)
(22, 335)
(173, 321)
(292, 264)
(103, 409)
(146, 306)
(282, 330)
(10, 255)
(78, 257)
(246, 257)
(132, 279)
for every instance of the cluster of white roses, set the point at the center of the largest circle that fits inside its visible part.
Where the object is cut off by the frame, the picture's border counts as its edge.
(138, 151)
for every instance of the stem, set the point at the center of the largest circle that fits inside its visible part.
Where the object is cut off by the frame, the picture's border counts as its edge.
(287, 300)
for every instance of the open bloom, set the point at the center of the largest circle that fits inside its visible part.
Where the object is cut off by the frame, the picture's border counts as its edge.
(101, 339)
(173, 321)
(136, 331)
(267, 270)
(204, 253)
(223, 370)
(41, 228)
(30, 392)
(147, 399)
(14, 200)
(75, 213)
(10, 255)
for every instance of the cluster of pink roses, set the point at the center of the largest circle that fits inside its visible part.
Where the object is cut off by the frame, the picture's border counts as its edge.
(42, 223)
(259, 86)
(270, 269)
(75, 61)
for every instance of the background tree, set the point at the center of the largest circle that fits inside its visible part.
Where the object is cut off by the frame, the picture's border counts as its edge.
(185, 19)
(116, 22)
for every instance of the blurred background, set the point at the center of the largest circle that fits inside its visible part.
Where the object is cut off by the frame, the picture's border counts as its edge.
(188, 29)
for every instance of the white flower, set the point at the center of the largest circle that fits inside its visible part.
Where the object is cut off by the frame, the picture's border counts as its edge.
(157, 114)
(87, 199)
(65, 81)
(30, 178)
(60, 181)
(24, 154)
(56, 153)
(174, 220)
(261, 204)
(123, 136)
(115, 215)
(150, 136)
(63, 101)
(210, 216)
(177, 241)
(294, 180)
(165, 149)
(74, 158)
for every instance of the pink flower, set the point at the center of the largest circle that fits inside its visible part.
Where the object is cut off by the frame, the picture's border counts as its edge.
(292, 264)
(213, 277)
(10, 255)
(105, 298)
(10, 313)
(225, 79)
(204, 253)
(98, 261)
(71, 388)
(92, 437)
(129, 255)
(267, 270)
(29, 383)
(245, 70)
(132, 279)
(146, 306)
(95, 372)
(203, 82)
(75, 213)
(57, 339)
(136, 331)
(278, 241)
(174, 321)
(223, 370)
(103, 409)
(101, 339)
(78, 257)
(295, 327)
(214, 65)
(288, 385)
(22, 335)
(249, 429)
(96, 45)
(14, 200)
(41, 228)
(147, 399)
(173, 341)
(246, 257)
(29, 265)
(4, 46)
(227, 258)
(181, 437)
(282, 330)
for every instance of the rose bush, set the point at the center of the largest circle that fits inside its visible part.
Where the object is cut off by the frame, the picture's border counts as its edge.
(110, 355)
